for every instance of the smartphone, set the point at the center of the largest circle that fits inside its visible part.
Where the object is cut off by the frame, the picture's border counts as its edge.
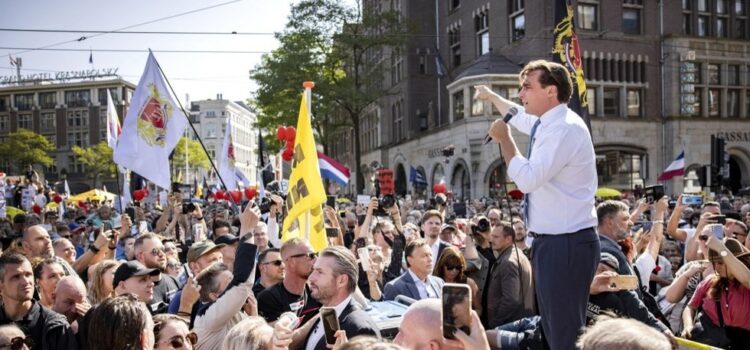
(331, 202)
(692, 199)
(654, 193)
(364, 258)
(330, 324)
(721, 219)
(456, 309)
(624, 282)
(187, 271)
(131, 212)
(718, 231)
(361, 219)
(332, 232)
(142, 227)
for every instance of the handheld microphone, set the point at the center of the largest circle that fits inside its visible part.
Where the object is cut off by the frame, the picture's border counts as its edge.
(511, 113)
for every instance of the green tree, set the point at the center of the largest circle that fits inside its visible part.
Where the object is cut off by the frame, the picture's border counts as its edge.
(25, 147)
(344, 50)
(97, 160)
(195, 156)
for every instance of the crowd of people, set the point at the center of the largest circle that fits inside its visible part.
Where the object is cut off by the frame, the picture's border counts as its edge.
(555, 270)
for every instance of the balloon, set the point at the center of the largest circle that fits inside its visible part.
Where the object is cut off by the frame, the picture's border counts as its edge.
(219, 195)
(36, 209)
(439, 188)
(281, 133)
(287, 155)
(291, 133)
(236, 196)
(82, 204)
(57, 199)
(250, 193)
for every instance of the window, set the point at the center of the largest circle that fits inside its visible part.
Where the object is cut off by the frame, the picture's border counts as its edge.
(454, 41)
(78, 118)
(422, 64)
(4, 103)
(733, 74)
(703, 5)
(519, 27)
(733, 103)
(721, 6)
(511, 93)
(634, 103)
(481, 26)
(210, 114)
(78, 138)
(74, 165)
(477, 106)
(454, 4)
(721, 27)
(702, 26)
(52, 140)
(587, 13)
(103, 95)
(621, 168)
(24, 121)
(740, 20)
(47, 100)
(78, 98)
(631, 16)
(714, 77)
(714, 103)
(687, 24)
(4, 122)
(687, 5)
(591, 94)
(398, 124)
(698, 73)
(47, 121)
(458, 105)
(24, 102)
(698, 104)
(611, 102)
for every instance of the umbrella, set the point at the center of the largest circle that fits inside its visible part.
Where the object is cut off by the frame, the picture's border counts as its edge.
(343, 200)
(606, 192)
(93, 195)
(515, 194)
(11, 212)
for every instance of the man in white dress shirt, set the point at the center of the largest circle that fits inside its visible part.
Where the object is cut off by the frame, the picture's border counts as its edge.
(559, 178)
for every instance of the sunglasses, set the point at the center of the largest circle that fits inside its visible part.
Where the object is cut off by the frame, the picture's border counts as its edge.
(453, 267)
(309, 255)
(17, 343)
(275, 262)
(158, 251)
(179, 341)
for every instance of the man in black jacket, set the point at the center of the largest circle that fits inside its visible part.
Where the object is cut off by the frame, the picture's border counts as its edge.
(49, 330)
(332, 282)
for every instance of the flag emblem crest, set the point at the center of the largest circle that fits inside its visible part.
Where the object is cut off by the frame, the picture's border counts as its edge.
(153, 118)
(569, 53)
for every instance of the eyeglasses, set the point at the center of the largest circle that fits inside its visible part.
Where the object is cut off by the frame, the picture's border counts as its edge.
(17, 343)
(158, 251)
(309, 255)
(453, 267)
(179, 341)
(275, 262)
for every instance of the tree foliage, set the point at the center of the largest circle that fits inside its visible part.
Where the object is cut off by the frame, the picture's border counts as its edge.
(344, 50)
(25, 147)
(97, 160)
(195, 156)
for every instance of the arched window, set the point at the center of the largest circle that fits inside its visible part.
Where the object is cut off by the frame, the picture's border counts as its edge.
(621, 167)
(461, 183)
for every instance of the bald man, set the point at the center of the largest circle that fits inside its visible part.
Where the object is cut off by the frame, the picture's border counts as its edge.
(9, 332)
(69, 300)
(424, 323)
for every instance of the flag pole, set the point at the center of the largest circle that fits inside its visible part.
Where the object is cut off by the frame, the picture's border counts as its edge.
(308, 85)
(119, 191)
(193, 127)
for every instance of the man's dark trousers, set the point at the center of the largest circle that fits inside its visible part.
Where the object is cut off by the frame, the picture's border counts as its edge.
(564, 266)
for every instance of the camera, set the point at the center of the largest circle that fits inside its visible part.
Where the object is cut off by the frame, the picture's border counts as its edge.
(187, 207)
(265, 205)
(483, 225)
(384, 203)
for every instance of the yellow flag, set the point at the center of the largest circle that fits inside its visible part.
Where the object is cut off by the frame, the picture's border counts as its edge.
(306, 192)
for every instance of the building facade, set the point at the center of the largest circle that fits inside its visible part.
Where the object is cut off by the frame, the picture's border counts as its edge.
(210, 119)
(67, 114)
(661, 76)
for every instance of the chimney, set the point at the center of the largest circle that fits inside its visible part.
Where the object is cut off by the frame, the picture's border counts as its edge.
(218, 97)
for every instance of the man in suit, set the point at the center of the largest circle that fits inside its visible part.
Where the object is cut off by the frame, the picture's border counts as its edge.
(332, 283)
(417, 282)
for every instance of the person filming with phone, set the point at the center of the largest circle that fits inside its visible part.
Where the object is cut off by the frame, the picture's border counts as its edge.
(558, 172)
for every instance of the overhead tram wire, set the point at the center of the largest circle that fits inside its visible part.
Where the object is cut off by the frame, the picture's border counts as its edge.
(127, 27)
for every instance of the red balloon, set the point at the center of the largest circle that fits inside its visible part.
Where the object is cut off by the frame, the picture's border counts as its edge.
(82, 204)
(36, 209)
(236, 196)
(250, 193)
(281, 133)
(138, 195)
(287, 155)
(219, 195)
(291, 133)
(439, 188)
(57, 199)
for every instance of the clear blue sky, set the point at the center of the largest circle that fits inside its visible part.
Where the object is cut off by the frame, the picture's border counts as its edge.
(201, 75)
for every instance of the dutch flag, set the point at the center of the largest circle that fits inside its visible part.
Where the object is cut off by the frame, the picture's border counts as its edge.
(677, 168)
(333, 170)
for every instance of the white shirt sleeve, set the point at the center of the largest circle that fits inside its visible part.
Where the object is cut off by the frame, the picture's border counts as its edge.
(645, 264)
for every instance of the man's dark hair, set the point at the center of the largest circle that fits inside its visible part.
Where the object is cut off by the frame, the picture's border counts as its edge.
(551, 74)
(609, 208)
(10, 259)
(507, 229)
(431, 213)
(264, 253)
(411, 246)
(117, 323)
(139, 241)
(219, 224)
(209, 281)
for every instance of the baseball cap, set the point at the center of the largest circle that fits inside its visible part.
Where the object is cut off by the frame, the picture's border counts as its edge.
(73, 227)
(200, 249)
(131, 269)
(19, 219)
(227, 239)
(448, 226)
(609, 260)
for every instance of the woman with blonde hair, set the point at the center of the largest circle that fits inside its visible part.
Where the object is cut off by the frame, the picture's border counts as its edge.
(101, 281)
